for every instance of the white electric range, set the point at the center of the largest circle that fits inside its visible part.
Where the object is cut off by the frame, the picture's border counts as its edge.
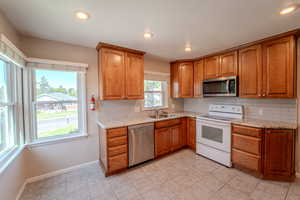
(214, 132)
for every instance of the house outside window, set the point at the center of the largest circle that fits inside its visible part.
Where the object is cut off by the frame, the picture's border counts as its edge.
(59, 108)
(155, 94)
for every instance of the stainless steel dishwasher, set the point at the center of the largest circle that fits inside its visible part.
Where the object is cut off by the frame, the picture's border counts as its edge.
(141, 143)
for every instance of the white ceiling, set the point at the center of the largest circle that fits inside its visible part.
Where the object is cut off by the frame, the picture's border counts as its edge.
(207, 25)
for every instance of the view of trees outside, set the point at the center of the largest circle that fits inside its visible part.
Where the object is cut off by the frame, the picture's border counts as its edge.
(153, 93)
(56, 103)
(3, 109)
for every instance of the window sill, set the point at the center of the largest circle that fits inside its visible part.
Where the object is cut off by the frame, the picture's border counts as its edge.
(56, 140)
(7, 159)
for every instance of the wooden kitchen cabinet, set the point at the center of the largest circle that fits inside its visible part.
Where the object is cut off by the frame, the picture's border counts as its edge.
(198, 78)
(170, 135)
(223, 65)
(134, 76)
(267, 70)
(121, 73)
(250, 72)
(176, 137)
(268, 153)
(211, 67)
(279, 163)
(228, 64)
(191, 133)
(162, 141)
(182, 80)
(279, 68)
(113, 144)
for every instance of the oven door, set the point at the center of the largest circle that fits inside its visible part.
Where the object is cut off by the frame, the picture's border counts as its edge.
(214, 134)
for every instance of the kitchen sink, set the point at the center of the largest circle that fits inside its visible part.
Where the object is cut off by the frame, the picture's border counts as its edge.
(161, 116)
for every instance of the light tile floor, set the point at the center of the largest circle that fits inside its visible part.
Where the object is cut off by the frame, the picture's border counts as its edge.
(180, 176)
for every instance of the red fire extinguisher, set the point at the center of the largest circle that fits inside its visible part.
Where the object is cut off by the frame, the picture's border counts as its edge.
(93, 103)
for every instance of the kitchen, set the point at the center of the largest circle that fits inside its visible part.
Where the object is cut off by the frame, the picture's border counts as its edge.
(216, 119)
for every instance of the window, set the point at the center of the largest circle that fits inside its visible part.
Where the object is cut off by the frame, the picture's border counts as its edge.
(58, 104)
(9, 136)
(155, 94)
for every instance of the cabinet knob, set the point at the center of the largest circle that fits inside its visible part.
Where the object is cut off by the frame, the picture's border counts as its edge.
(264, 95)
(259, 95)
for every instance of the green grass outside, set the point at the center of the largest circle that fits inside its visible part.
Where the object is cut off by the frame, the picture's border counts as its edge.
(46, 115)
(57, 132)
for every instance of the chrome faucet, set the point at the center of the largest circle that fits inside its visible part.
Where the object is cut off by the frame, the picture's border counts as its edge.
(157, 111)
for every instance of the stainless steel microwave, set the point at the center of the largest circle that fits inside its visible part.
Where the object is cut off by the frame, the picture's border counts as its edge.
(226, 86)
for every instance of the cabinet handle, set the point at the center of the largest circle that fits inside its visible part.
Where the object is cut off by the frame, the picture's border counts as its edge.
(259, 95)
(264, 95)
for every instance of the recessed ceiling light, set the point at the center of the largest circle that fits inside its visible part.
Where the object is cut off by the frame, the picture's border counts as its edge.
(148, 35)
(82, 15)
(188, 49)
(288, 10)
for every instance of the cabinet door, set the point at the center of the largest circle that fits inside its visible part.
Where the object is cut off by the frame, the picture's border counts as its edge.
(250, 72)
(186, 79)
(279, 68)
(175, 80)
(162, 141)
(134, 76)
(228, 64)
(176, 137)
(112, 74)
(279, 153)
(198, 78)
(191, 133)
(211, 67)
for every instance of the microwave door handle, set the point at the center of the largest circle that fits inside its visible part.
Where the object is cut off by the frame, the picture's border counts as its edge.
(227, 86)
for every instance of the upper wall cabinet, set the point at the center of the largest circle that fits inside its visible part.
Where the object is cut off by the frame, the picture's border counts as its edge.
(121, 73)
(268, 70)
(198, 78)
(279, 68)
(211, 67)
(250, 71)
(182, 80)
(221, 65)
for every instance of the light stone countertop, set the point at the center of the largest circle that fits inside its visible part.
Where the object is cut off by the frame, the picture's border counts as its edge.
(107, 124)
(265, 124)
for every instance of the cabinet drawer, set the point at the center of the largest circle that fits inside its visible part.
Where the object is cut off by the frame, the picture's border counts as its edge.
(117, 141)
(245, 130)
(117, 162)
(246, 143)
(113, 151)
(167, 123)
(116, 132)
(246, 160)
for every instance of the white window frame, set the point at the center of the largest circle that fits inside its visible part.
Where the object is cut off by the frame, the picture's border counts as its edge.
(164, 94)
(16, 107)
(32, 138)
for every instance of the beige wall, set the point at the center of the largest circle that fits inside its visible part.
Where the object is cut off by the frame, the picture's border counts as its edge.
(48, 158)
(8, 29)
(14, 176)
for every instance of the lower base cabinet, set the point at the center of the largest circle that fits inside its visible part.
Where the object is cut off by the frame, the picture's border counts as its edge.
(268, 153)
(170, 135)
(191, 133)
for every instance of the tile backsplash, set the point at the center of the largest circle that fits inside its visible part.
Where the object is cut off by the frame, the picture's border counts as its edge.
(120, 109)
(284, 110)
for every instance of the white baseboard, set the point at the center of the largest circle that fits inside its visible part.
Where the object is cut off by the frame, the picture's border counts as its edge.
(58, 172)
(21, 190)
(51, 174)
